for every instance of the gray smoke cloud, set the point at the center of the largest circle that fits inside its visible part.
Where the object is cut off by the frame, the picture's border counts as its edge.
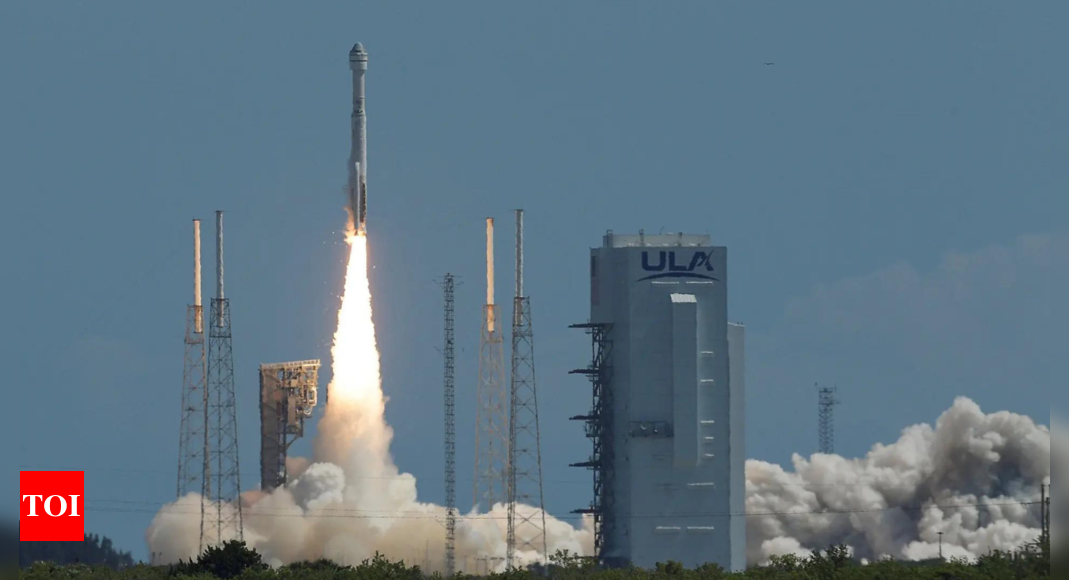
(979, 467)
(969, 477)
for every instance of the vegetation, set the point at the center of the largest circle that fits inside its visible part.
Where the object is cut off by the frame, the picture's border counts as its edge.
(235, 561)
(94, 551)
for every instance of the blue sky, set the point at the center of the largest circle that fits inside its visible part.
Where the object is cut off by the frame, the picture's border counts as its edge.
(892, 190)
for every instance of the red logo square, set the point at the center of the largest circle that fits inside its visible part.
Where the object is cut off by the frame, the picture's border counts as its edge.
(53, 506)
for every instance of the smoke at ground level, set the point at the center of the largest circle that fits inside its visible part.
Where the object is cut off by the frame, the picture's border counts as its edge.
(971, 476)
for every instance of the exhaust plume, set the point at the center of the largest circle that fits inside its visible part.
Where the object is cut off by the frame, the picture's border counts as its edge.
(969, 477)
(352, 501)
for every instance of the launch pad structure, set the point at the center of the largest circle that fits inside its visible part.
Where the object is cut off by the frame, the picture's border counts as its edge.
(288, 395)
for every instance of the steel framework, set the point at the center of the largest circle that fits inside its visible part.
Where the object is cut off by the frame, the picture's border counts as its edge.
(193, 450)
(599, 429)
(225, 492)
(491, 431)
(288, 394)
(450, 392)
(826, 412)
(526, 503)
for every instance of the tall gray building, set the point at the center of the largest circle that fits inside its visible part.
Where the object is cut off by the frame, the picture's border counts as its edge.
(675, 380)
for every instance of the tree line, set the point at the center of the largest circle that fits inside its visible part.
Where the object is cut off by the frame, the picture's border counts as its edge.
(93, 551)
(234, 560)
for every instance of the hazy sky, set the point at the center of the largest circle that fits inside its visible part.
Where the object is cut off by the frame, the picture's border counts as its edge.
(892, 190)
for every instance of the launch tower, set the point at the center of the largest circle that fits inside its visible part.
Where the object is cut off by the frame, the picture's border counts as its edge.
(288, 394)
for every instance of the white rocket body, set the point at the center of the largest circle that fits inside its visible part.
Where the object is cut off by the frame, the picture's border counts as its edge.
(357, 187)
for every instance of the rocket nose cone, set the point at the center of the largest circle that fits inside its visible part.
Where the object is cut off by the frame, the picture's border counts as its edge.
(358, 47)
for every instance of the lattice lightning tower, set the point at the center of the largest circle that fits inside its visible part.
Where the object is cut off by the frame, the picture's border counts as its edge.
(828, 400)
(491, 431)
(526, 513)
(193, 450)
(449, 380)
(223, 509)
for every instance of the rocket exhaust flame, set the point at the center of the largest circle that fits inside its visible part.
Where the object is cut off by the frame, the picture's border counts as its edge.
(353, 501)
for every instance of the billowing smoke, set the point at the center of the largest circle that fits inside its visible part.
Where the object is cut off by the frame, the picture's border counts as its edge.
(352, 502)
(970, 477)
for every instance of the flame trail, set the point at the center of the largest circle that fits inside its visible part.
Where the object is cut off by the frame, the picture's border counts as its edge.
(353, 501)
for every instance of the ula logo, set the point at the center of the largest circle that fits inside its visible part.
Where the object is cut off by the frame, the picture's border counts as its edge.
(52, 506)
(668, 265)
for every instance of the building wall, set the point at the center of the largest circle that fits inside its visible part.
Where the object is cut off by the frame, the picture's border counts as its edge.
(676, 452)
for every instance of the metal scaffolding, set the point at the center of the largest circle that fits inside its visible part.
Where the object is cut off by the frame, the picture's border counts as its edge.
(193, 449)
(223, 502)
(526, 503)
(826, 413)
(449, 387)
(599, 429)
(288, 394)
(491, 429)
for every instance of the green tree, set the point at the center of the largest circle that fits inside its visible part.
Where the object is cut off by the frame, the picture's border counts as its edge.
(230, 560)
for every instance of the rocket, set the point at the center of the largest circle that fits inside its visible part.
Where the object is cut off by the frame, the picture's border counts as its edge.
(357, 188)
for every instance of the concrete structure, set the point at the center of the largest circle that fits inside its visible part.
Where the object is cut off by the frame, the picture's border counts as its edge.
(675, 376)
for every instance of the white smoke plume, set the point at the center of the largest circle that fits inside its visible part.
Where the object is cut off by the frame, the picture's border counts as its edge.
(968, 477)
(352, 501)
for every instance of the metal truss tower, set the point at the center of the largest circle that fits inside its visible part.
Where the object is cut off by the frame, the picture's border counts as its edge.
(828, 400)
(599, 429)
(450, 391)
(526, 504)
(224, 499)
(288, 394)
(193, 451)
(491, 430)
